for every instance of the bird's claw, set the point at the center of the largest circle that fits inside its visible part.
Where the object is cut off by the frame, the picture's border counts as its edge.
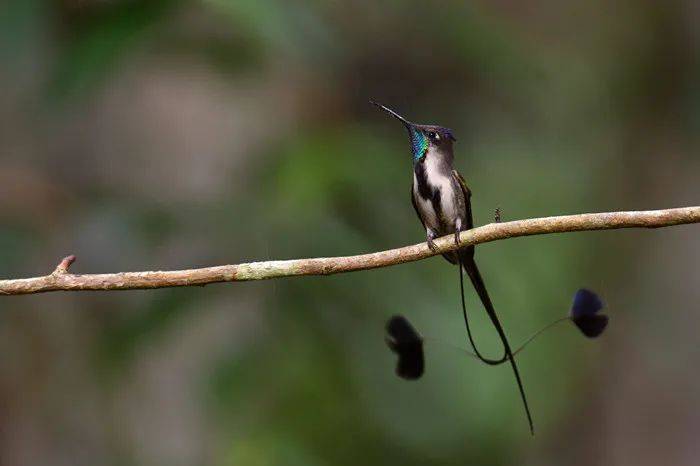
(457, 241)
(431, 244)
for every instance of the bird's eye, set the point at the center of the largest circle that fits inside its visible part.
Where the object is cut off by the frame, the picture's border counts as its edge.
(434, 136)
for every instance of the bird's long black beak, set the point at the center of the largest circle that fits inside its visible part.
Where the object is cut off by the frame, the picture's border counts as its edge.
(406, 123)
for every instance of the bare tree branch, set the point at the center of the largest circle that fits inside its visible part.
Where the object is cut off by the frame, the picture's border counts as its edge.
(62, 280)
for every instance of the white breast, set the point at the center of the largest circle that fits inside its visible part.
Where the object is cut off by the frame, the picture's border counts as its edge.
(447, 196)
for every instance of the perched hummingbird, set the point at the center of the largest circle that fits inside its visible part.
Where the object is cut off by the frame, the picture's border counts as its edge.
(442, 201)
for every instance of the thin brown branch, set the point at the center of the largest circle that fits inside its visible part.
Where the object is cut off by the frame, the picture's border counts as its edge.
(62, 280)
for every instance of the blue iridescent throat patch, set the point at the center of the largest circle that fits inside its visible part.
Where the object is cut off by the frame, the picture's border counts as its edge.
(419, 143)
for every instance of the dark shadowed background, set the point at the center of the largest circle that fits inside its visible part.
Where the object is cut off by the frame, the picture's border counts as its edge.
(174, 134)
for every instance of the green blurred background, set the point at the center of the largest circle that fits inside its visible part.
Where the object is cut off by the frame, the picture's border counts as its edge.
(174, 134)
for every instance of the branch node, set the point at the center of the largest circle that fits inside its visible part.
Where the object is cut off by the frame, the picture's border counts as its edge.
(65, 264)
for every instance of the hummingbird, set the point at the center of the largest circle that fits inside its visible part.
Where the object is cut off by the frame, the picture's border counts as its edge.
(442, 200)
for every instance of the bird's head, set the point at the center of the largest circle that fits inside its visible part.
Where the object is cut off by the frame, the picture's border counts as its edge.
(424, 138)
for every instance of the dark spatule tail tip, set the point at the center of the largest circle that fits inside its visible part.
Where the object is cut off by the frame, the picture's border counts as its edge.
(410, 366)
(404, 340)
(592, 326)
(400, 329)
(586, 302)
(585, 313)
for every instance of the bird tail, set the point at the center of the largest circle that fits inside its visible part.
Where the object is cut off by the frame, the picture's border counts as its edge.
(491, 362)
(473, 271)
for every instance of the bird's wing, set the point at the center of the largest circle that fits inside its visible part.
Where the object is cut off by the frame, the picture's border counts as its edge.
(457, 178)
(415, 207)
